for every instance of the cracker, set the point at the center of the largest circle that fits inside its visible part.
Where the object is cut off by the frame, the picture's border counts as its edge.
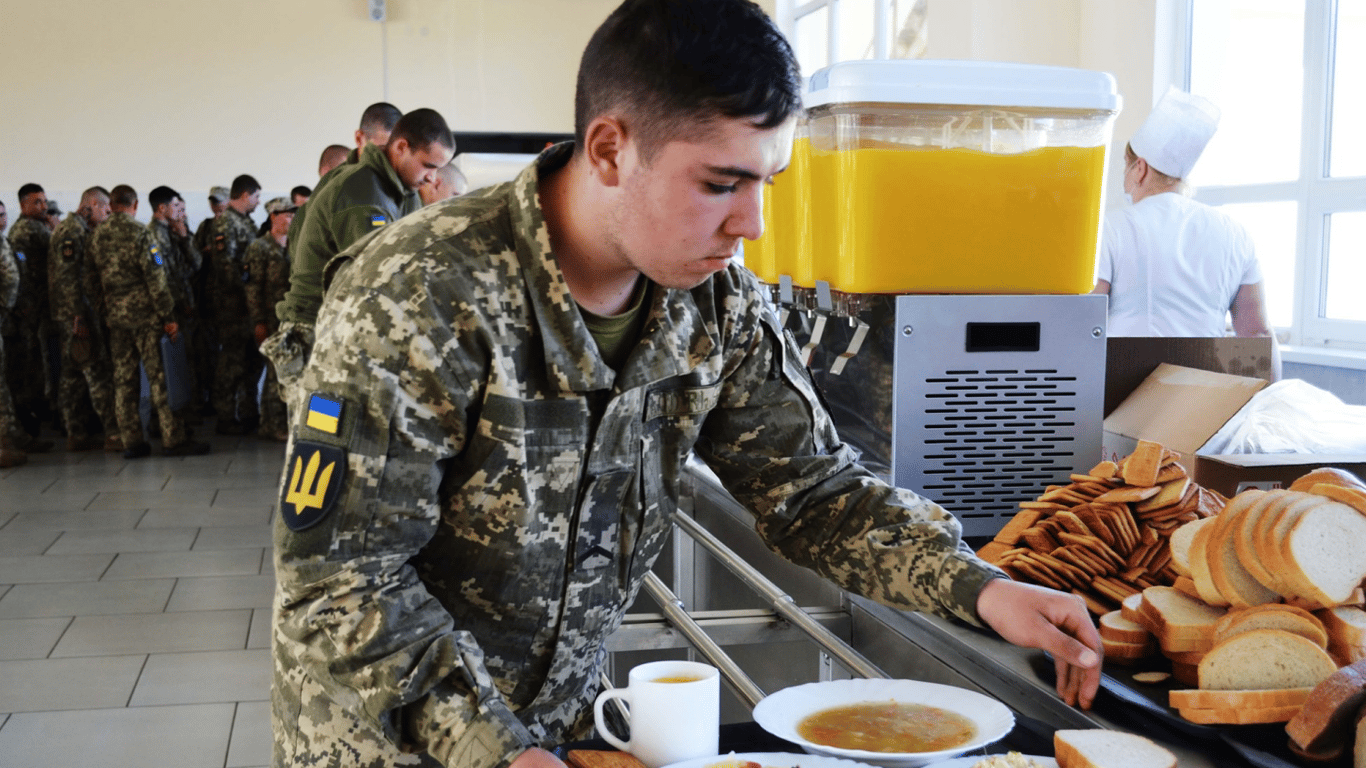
(1130, 493)
(1043, 505)
(1171, 472)
(1072, 523)
(1171, 493)
(1025, 518)
(1039, 540)
(1141, 467)
(992, 551)
(1067, 554)
(1105, 469)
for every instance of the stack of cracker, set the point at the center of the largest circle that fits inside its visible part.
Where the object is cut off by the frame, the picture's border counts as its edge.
(1105, 535)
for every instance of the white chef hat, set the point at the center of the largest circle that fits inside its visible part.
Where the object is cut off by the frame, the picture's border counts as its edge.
(1176, 132)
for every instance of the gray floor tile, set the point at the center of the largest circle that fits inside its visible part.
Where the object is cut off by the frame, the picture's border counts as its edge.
(34, 569)
(263, 495)
(259, 636)
(251, 736)
(61, 497)
(100, 598)
(140, 540)
(188, 499)
(5, 517)
(236, 537)
(51, 684)
(204, 678)
(207, 517)
(154, 633)
(214, 593)
(30, 638)
(193, 736)
(25, 542)
(76, 520)
(152, 565)
(248, 480)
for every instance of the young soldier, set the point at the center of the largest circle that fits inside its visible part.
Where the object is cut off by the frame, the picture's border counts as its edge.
(239, 364)
(267, 281)
(503, 395)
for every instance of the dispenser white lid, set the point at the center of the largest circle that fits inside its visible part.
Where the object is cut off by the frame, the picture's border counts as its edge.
(976, 83)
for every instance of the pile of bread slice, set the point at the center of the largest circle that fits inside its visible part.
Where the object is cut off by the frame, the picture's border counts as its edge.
(1268, 604)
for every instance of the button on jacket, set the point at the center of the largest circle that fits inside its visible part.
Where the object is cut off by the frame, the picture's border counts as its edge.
(504, 491)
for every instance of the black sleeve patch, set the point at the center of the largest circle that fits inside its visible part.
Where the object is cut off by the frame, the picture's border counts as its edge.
(315, 477)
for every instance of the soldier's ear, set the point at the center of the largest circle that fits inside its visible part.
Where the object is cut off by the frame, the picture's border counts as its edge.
(603, 145)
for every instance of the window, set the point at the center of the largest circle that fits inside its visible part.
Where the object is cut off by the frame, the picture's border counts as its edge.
(1288, 161)
(827, 31)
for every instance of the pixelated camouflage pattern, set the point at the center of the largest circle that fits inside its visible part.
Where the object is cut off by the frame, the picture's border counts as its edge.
(32, 238)
(182, 262)
(267, 280)
(130, 346)
(137, 293)
(232, 233)
(91, 371)
(505, 491)
(238, 365)
(9, 293)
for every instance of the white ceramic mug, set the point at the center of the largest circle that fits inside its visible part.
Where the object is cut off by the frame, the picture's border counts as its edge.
(675, 712)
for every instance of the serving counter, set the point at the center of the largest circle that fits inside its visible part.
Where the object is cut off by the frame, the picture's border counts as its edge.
(753, 628)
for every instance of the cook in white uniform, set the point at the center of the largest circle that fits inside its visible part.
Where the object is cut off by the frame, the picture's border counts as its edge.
(1173, 266)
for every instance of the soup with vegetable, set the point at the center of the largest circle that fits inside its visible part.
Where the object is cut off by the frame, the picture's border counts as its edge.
(888, 727)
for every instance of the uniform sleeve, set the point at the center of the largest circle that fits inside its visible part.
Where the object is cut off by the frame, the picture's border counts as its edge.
(353, 614)
(63, 286)
(9, 279)
(351, 224)
(188, 251)
(154, 276)
(775, 449)
(255, 263)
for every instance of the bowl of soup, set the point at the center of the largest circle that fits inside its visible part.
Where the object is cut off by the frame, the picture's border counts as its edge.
(889, 723)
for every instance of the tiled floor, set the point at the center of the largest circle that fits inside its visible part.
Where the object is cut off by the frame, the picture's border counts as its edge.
(135, 609)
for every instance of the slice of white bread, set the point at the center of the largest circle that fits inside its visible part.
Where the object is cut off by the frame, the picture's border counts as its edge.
(1194, 698)
(1240, 715)
(1126, 653)
(1267, 505)
(1131, 608)
(1113, 626)
(1199, 563)
(1325, 723)
(1329, 475)
(1264, 532)
(1100, 748)
(1232, 580)
(1264, 659)
(1180, 543)
(1346, 628)
(1272, 616)
(1325, 552)
(1174, 615)
(1352, 497)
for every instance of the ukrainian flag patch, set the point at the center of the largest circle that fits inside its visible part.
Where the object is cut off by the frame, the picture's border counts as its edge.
(378, 221)
(156, 255)
(324, 413)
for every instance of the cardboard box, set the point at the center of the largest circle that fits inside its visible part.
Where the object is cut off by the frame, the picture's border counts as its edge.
(1130, 359)
(1179, 407)
(1231, 474)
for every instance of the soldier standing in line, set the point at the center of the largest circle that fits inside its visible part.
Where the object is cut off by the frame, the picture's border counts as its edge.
(171, 234)
(299, 195)
(86, 366)
(140, 307)
(203, 338)
(29, 240)
(446, 183)
(239, 363)
(9, 293)
(267, 282)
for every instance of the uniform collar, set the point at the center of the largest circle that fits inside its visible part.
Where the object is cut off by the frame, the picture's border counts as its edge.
(374, 157)
(675, 340)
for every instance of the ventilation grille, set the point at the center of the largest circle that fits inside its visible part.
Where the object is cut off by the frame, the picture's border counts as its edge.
(994, 438)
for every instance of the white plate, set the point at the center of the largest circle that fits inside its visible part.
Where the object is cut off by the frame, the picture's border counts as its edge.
(780, 712)
(772, 760)
(968, 762)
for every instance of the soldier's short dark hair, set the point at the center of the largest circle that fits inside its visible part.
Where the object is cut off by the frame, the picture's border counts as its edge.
(243, 185)
(300, 190)
(123, 196)
(665, 66)
(333, 156)
(28, 189)
(421, 127)
(162, 196)
(379, 116)
(93, 193)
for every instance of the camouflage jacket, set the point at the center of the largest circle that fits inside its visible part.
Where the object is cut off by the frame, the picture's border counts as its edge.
(267, 280)
(360, 198)
(232, 233)
(9, 279)
(182, 261)
(68, 268)
(29, 240)
(492, 494)
(132, 273)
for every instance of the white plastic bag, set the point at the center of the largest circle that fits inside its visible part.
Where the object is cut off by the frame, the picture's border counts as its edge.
(1292, 416)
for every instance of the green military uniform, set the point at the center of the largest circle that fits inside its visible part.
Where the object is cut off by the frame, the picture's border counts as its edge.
(267, 282)
(29, 241)
(138, 303)
(9, 294)
(239, 364)
(86, 365)
(203, 338)
(361, 197)
(473, 496)
(183, 262)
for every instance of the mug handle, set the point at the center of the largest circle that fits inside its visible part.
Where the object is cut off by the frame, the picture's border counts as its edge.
(614, 693)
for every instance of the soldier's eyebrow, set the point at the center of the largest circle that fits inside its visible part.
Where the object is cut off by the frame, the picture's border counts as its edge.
(739, 173)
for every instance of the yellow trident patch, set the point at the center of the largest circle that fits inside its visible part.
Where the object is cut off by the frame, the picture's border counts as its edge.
(309, 494)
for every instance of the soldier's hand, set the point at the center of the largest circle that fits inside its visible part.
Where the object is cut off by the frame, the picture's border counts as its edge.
(260, 333)
(178, 225)
(1053, 621)
(536, 758)
(172, 329)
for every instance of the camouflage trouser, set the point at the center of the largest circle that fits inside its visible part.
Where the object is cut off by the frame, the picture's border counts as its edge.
(86, 367)
(288, 350)
(239, 368)
(128, 347)
(9, 423)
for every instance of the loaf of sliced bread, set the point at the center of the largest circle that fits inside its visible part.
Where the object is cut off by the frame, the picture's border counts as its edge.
(1273, 616)
(1325, 723)
(1100, 748)
(1325, 552)
(1230, 578)
(1264, 659)
(1329, 475)
(1200, 568)
(1346, 628)
(1173, 615)
(1265, 507)
(1180, 543)
(1194, 698)
(1113, 626)
(1240, 715)
(1126, 653)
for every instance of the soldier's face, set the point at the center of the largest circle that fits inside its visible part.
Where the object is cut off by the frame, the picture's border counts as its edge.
(177, 210)
(35, 205)
(681, 217)
(99, 210)
(418, 167)
(4, 219)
